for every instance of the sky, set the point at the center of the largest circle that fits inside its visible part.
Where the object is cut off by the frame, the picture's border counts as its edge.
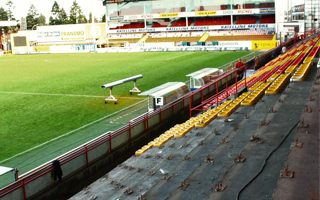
(87, 6)
(44, 7)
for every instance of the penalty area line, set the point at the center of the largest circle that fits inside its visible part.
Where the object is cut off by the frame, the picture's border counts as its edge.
(70, 132)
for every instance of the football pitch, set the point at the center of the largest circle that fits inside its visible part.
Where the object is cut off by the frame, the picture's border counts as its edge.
(45, 96)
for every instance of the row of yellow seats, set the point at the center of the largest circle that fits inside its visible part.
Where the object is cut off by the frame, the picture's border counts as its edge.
(292, 68)
(177, 131)
(255, 86)
(310, 58)
(211, 114)
(235, 104)
(271, 67)
(280, 60)
(301, 72)
(274, 76)
(254, 96)
(142, 150)
(278, 84)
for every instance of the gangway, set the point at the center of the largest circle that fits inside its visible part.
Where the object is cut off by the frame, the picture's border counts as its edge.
(109, 86)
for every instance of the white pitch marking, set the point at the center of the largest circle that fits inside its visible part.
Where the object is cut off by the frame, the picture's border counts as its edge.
(62, 95)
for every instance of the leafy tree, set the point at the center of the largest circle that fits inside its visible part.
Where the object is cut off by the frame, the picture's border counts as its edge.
(90, 18)
(32, 17)
(41, 20)
(103, 19)
(76, 15)
(58, 15)
(10, 8)
(63, 17)
(53, 20)
(3, 14)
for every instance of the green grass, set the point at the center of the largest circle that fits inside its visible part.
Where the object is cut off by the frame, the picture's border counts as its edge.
(29, 120)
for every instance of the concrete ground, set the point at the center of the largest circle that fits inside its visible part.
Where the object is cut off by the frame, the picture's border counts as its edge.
(303, 158)
(193, 166)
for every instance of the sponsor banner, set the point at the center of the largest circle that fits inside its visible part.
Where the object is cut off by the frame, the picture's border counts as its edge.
(206, 13)
(264, 44)
(61, 33)
(192, 14)
(196, 28)
(81, 48)
(116, 18)
(245, 44)
(73, 35)
(70, 33)
(44, 36)
(169, 15)
(248, 26)
(226, 12)
(267, 10)
(137, 17)
(246, 11)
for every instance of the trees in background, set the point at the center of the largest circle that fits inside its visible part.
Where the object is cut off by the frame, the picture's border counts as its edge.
(34, 18)
(7, 12)
(3, 14)
(10, 8)
(58, 15)
(76, 15)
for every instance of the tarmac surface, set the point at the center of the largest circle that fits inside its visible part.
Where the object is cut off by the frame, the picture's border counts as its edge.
(204, 161)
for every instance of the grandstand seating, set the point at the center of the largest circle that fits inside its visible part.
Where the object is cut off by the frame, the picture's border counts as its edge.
(270, 81)
(249, 6)
(132, 25)
(207, 8)
(239, 38)
(180, 22)
(158, 25)
(246, 20)
(228, 110)
(267, 19)
(266, 5)
(212, 21)
(279, 84)
(225, 7)
(173, 39)
(305, 67)
(129, 40)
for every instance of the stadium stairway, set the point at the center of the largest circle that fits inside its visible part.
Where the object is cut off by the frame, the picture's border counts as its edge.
(143, 39)
(204, 37)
